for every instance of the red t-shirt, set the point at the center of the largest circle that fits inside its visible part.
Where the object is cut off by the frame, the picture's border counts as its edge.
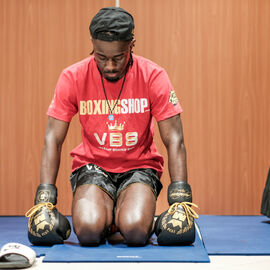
(126, 142)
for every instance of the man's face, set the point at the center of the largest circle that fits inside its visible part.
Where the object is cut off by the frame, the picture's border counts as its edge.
(112, 57)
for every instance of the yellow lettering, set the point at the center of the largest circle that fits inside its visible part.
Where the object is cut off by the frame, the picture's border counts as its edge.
(116, 139)
(131, 138)
(82, 107)
(97, 107)
(89, 107)
(103, 106)
(102, 140)
(117, 108)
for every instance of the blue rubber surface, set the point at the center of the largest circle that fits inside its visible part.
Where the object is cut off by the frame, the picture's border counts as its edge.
(235, 235)
(14, 229)
(119, 252)
(222, 235)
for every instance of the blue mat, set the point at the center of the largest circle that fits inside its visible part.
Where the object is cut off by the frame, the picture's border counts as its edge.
(235, 235)
(222, 235)
(118, 252)
(14, 229)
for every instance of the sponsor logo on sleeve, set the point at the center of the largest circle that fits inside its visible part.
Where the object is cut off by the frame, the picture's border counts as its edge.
(173, 98)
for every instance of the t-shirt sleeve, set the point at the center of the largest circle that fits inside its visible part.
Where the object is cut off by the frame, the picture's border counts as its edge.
(164, 102)
(64, 103)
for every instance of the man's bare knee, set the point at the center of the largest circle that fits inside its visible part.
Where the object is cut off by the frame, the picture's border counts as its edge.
(90, 234)
(134, 229)
(135, 235)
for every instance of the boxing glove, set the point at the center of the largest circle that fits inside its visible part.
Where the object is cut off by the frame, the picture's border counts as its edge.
(176, 225)
(46, 225)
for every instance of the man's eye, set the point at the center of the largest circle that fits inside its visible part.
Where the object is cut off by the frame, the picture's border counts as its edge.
(102, 58)
(118, 58)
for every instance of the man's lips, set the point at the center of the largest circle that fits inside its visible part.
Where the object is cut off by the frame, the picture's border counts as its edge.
(111, 74)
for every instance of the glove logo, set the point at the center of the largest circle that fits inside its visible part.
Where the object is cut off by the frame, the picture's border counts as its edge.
(42, 223)
(180, 193)
(176, 223)
(43, 196)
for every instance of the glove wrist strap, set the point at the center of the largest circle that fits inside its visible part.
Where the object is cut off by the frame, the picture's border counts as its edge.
(46, 193)
(179, 191)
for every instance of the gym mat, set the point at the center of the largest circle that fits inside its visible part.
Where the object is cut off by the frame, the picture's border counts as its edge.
(116, 251)
(14, 229)
(222, 235)
(235, 235)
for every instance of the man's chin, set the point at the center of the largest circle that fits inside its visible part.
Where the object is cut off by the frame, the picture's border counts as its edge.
(111, 79)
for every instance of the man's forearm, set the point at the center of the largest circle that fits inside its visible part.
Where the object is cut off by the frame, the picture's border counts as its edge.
(50, 162)
(172, 136)
(177, 163)
(56, 131)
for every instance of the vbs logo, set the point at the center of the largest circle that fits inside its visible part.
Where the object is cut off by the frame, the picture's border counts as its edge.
(116, 137)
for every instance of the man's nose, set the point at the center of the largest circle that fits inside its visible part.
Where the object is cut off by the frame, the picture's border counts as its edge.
(110, 65)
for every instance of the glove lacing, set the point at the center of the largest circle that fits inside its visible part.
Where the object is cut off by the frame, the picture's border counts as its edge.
(32, 211)
(187, 208)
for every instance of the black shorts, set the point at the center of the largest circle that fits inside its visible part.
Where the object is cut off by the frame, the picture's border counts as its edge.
(114, 183)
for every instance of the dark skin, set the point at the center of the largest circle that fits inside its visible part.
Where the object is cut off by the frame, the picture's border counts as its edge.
(112, 57)
(92, 208)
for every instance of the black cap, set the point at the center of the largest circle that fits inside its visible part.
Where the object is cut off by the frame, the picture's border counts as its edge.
(111, 24)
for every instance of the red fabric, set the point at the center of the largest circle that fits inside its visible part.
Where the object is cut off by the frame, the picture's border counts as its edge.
(126, 142)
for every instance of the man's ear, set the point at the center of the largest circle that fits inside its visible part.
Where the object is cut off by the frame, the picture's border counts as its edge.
(132, 44)
(92, 52)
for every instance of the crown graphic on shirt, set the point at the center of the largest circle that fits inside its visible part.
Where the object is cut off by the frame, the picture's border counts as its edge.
(116, 127)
